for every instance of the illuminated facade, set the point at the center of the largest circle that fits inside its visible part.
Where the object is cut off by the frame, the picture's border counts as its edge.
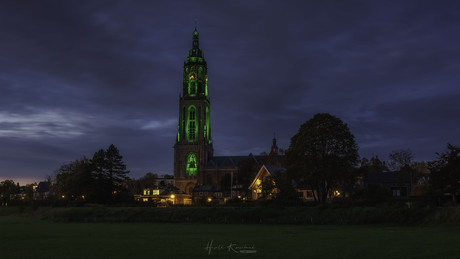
(266, 171)
(196, 170)
(193, 146)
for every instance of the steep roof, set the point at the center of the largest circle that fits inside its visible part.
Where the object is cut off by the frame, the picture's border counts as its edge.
(232, 161)
(225, 161)
(271, 170)
(274, 169)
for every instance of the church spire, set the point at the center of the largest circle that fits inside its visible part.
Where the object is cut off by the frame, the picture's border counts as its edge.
(274, 145)
(195, 51)
(193, 146)
(273, 155)
(196, 40)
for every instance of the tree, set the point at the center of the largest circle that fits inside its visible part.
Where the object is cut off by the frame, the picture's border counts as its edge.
(74, 180)
(445, 172)
(7, 188)
(278, 186)
(115, 166)
(96, 179)
(323, 153)
(401, 162)
(269, 188)
(109, 172)
(247, 168)
(400, 159)
(225, 182)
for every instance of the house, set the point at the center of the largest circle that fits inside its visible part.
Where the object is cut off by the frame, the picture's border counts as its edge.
(42, 191)
(208, 193)
(266, 171)
(164, 195)
(399, 185)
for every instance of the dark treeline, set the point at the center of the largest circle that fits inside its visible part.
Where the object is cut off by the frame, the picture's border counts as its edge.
(323, 157)
(100, 179)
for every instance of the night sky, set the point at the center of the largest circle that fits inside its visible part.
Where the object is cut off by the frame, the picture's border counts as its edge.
(77, 76)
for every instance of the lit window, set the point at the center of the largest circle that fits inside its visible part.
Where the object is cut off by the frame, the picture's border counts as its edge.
(191, 131)
(192, 124)
(191, 166)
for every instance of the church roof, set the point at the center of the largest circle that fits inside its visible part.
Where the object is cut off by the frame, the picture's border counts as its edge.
(225, 161)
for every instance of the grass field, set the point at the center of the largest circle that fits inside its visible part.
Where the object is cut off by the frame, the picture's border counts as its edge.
(22, 237)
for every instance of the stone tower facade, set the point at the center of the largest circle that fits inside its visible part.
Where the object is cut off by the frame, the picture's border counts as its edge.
(193, 147)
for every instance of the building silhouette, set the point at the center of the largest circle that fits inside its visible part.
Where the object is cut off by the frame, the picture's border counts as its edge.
(196, 169)
(193, 148)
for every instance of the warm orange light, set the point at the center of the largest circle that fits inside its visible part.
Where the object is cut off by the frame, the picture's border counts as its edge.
(209, 199)
(173, 196)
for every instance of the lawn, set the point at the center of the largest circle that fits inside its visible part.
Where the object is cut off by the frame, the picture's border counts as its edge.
(22, 237)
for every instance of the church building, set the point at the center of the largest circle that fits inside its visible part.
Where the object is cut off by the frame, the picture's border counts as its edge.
(196, 169)
(193, 148)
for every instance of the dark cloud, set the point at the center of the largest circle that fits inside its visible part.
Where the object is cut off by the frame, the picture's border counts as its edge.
(78, 76)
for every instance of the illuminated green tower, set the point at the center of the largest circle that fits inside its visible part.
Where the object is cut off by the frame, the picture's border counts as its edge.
(193, 146)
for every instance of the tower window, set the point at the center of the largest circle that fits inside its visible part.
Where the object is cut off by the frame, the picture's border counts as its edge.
(191, 131)
(192, 88)
(192, 114)
(191, 164)
(192, 124)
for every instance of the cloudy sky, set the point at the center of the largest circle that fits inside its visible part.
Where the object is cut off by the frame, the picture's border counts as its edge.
(77, 76)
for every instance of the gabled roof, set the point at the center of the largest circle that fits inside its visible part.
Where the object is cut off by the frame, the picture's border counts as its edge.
(271, 170)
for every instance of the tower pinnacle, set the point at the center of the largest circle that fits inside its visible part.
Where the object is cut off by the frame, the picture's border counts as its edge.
(196, 40)
(274, 147)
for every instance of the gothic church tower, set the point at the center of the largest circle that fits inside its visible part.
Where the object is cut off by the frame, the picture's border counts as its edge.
(193, 146)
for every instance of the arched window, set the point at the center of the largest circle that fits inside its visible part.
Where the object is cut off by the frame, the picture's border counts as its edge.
(191, 164)
(192, 124)
(192, 82)
(192, 113)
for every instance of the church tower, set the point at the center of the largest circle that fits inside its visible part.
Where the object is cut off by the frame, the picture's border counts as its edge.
(193, 146)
